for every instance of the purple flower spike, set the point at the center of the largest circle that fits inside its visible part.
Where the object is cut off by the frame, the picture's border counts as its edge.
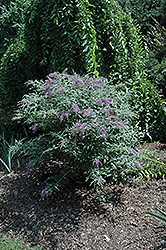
(137, 165)
(83, 126)
(53, 74)
(96, 125)
(65, 70)
(62, 115)
(61, 118)
(80, 81)
(75, 108)
(111, 112)
(48, 81)
(46, 90)
(43, 193)
(77, 125)
(104, 101)
(132, 150)
(34, 128)
(102, 131)
(66, 115)
(61, 90)
(88, 112)
(97, 85)
(96, 162)
(120, 124)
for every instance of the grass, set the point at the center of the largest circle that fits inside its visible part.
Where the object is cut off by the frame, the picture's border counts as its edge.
(8, 242)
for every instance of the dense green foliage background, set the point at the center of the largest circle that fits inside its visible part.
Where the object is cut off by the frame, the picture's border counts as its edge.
(102, 37)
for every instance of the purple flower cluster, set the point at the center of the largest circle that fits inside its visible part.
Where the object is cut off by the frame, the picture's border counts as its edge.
(96, 124)
(61, 90)
(99, 83)
(75, 108)
(96, 162)
(35, 128)
(137, 165)
(88, 112)
(50, 84)
(79, 129)
(62, 115)
(104, 101)
(80, 126)
(119, 123)
(102, 131)
(45, 193)
(53, 75)
(47, 87)
(78, 83)
(108, 111)
(65, 71)
(131, 150)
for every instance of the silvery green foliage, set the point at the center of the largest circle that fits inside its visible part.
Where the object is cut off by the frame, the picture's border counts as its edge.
(83, 120)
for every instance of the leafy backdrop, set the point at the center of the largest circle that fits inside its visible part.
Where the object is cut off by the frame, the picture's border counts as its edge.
(84, 36)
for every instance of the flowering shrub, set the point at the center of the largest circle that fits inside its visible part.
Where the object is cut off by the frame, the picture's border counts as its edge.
(82, 120)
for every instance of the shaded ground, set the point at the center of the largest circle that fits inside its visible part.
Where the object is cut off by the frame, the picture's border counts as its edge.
(75, 220)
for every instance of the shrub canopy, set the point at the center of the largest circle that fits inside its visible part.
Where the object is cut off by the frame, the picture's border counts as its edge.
(82, 120)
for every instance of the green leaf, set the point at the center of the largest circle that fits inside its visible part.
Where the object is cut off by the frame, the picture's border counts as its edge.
(156, 215)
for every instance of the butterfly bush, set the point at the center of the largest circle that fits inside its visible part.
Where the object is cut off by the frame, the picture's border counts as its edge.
(83, 120)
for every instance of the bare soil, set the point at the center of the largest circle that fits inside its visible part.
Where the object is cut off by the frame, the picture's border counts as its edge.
(74, 219)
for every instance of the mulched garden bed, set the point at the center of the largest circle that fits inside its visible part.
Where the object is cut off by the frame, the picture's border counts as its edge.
(74, 219)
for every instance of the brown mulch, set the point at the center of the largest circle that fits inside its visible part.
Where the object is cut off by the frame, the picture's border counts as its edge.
(74, 219)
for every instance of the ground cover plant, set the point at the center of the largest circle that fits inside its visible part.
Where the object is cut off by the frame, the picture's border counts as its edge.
(82, 120)
(161, 217)
(9, 243)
